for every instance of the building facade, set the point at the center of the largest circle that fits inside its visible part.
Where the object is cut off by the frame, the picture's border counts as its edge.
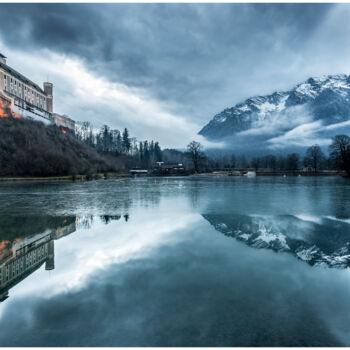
(28, 99)
(25, 94)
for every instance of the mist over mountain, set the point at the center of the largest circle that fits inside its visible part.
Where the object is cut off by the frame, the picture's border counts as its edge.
(310, 113)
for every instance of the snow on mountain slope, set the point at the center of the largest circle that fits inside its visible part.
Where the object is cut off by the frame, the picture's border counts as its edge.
(314, 109)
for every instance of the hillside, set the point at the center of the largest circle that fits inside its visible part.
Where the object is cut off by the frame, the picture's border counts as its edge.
(312, 112)
(30, 148)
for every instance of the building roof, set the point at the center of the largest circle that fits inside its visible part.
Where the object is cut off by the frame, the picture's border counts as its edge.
(20, 76)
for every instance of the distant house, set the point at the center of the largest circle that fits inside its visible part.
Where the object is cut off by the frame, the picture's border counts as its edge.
(138, 171)
(308, 170)
(63, 121)
(162, 168)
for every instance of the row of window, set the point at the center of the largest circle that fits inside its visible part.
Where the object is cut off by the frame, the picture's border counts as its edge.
(23, 263)
(22, 91)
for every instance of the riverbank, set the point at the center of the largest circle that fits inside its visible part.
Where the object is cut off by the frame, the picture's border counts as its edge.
(276, 173)
(99, 176)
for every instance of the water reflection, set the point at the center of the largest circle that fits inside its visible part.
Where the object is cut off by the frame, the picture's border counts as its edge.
(28, 243)
(155, 271)
(320, 241)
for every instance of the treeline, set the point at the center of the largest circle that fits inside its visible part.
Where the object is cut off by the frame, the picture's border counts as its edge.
(314, 159)
(119, 144)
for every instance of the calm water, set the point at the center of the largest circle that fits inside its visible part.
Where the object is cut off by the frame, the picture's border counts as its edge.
(176, 262)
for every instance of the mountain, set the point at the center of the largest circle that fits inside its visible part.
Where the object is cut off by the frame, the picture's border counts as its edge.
(307, 238)
(310, 113)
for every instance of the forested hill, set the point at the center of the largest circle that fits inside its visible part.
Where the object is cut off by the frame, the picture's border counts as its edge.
(30, 148)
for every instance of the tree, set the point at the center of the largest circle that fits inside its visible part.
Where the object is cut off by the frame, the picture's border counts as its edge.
(271, 162)
(255, 163)
(233, 161)
(126, 141)
(340, 152)
(194, 149)
(293, 161)
(157, 152)
(314, 157)
(242, 162)
(281, 163)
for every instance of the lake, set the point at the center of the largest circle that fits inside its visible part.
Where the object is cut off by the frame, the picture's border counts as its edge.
(196, 261)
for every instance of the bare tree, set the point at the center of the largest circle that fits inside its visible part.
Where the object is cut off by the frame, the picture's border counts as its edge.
(314, 157)
(194, 149)
(292, 161)
(340, 152)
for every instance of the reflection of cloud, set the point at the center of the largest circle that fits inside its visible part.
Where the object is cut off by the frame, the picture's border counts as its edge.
(310, 218)
(141, 303)
(81, 254)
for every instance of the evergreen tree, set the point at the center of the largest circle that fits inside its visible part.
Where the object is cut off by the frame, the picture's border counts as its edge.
(126, 141)
(157, 152)
(233, 161)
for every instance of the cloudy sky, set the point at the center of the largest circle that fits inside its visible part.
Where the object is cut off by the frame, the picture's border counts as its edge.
(164, 70)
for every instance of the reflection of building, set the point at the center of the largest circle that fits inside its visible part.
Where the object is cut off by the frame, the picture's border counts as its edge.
(23, 256)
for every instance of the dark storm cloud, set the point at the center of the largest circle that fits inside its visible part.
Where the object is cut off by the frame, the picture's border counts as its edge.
(200, 57)
(167, 44)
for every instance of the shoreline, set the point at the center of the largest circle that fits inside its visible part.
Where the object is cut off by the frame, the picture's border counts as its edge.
(100, 176)
(277, 174)
(67, 178)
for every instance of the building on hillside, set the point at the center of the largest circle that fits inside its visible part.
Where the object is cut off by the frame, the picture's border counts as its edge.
(28, 98)
(63, 121)
(21, 97)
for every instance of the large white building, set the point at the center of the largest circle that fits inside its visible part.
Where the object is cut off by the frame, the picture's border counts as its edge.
(27, 99)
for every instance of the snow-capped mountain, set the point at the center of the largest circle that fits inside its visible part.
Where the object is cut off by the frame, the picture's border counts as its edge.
(307, 238)
(310, 113)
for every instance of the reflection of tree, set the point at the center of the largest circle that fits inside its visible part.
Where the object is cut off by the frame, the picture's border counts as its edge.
(85, 221)
(108, 218)
(13, 225)
(341, 207)
(194, 192)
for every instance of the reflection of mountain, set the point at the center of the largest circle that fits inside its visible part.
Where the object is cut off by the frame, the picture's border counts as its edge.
(317, 241)
(21, 256)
